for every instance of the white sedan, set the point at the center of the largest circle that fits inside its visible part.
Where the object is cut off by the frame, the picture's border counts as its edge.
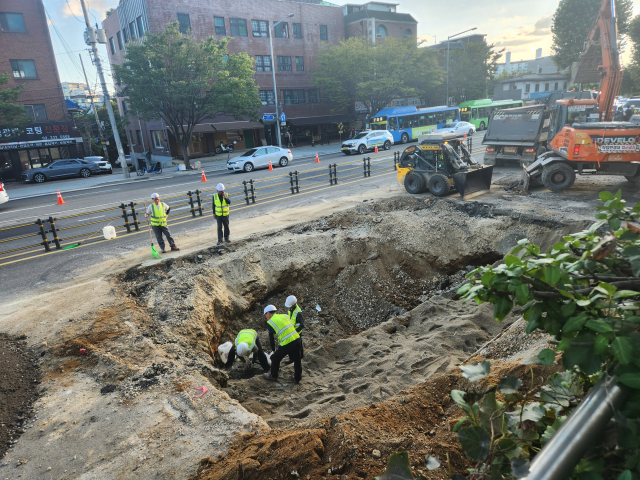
(4, 196)
(259, 158)
(105, 166)
(458, 128)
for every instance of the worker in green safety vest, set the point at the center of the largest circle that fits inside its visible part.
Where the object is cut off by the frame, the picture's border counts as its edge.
(221, 204)
(246, 342)
(282, 330)
(157, 212)
(294, 312)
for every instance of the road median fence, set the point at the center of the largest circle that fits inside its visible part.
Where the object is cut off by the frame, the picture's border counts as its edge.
(45, 236)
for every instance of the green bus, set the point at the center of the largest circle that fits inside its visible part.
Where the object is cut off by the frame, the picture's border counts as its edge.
(478, 112)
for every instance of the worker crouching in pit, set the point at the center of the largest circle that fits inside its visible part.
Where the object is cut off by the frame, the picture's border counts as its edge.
(281, 329)
(246, 342)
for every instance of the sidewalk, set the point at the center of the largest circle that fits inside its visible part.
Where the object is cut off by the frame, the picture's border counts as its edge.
(18, 190)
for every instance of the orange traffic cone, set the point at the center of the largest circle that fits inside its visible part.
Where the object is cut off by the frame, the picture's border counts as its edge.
(376, 150)
(60, 200)
(270, 166)
(317, 159)
(204, 178)
(465, 135)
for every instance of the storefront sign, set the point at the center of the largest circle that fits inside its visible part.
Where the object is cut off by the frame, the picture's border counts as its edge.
(38, 131)
(40, 144)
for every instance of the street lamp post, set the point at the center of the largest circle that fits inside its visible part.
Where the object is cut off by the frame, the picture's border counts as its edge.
(449, 38)
(273, 71)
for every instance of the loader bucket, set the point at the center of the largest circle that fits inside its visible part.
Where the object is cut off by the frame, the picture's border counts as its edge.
(473, 181)
(403, 172)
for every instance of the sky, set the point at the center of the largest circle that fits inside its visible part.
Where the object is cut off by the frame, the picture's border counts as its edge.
(519, 26)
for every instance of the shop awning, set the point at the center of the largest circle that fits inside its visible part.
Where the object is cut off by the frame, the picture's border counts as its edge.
(318, 120)
(222, 126)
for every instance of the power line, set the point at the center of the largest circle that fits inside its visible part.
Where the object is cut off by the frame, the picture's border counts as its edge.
(74, 15)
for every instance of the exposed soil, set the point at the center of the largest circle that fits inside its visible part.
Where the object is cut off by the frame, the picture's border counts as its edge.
(19, 377)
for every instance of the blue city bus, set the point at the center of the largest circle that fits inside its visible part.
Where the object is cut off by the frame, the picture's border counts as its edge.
(407, 123)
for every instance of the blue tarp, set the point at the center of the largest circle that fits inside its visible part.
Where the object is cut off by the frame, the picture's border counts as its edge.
(71, 104)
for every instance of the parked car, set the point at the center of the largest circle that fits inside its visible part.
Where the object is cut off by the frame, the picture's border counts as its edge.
(458, 128)
(69, 167)
(4, 196)
(259, 158)
(365, 141)
(127, 158)
(105, 166)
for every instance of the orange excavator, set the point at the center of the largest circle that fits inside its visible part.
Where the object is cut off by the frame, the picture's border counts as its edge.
(593, 146)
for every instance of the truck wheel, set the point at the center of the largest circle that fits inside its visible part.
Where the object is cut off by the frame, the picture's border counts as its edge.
(558, 176)
(414, 183)
(439, 185)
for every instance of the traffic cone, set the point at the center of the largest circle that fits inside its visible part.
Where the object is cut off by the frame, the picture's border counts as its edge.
(465, 135)
(270, 166)
(204, 178)
(317, 159)
(60, 200)
(376, 150)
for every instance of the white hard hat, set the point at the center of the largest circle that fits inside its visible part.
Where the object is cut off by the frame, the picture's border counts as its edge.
(220, 187)
(242, 349)
(290, 301)
(155, 195)
(269, 308)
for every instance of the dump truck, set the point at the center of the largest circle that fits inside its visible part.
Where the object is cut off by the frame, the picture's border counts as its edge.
(441, 163)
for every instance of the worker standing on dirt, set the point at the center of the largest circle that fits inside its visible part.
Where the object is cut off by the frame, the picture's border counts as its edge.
(280, 327)
(294, 312)
(158, 211)
(246, 342)
(221, 204)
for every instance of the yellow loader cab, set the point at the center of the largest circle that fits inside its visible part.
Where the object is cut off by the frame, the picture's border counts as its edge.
(441, 163)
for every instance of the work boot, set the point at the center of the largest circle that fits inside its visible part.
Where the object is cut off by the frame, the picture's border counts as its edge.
(293, 377)
(226, 240)
(162, 250)
(267, 376)
(219, 242)
(174, 248)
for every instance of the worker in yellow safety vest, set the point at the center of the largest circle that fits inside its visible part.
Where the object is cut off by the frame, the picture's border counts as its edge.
(221, 204)
(158, 212)
(246, 342)
(294, 312)
(281, 329)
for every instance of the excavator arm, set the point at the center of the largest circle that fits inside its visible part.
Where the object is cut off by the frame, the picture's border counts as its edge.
(600, 60)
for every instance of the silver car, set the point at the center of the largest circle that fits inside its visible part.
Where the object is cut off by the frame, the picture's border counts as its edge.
(70, 167)
(259, 158)
(105, 166)
(458, 128)
(365, 141)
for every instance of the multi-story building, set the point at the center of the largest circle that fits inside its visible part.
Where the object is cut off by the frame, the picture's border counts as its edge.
(81, 94)
(297, 42)
(26, 54)
(378, 20)
(538, 65)
(531, 86)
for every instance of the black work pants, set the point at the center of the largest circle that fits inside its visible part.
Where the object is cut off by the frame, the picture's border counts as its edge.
(293, 350)
(159, 230)
(223, 222)
(301, 349)
(262, 357)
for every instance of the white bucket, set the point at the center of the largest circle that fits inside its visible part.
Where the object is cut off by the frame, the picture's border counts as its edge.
(109, 232)
(224, 350)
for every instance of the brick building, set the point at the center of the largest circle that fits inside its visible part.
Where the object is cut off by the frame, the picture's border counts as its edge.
(26, 54)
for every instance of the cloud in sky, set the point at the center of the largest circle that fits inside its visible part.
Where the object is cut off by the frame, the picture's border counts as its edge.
(521, 42)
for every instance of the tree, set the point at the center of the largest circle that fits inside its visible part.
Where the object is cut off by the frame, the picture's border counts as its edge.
(86, 122)
(571, 24)
(358, 70)
(11, 114)
(471, 70)
(171, 77)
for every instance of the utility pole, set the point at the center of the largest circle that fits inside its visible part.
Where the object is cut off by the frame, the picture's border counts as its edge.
(104, 146)
(92, 37)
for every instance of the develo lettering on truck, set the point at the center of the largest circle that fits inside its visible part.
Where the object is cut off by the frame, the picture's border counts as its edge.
(616, 144)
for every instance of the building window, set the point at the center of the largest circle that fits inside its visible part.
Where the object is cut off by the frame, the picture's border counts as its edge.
(313, 96)
(139, 137)
(125, 34)
(555, 87)
(23, 69)
(119, 37)
(546, 87)
(537, 87)
(140, 25)
(407, 33)
(284, 64)
(158, 139)
(12, 22)
(281, 30)
(323, 33)
(267, 97)
(327, 98)
(219, 23)
(185, 22)
(514, 86)
(38, 112)
(293, 97)
(260, 28)
(297, 30)
(299, 64)
(381, 31)
(539, 69)
(238, 27)
(132, 30)
(112, 46)
(263, 63)
(564, 86)
(527, 88)
(132, 139)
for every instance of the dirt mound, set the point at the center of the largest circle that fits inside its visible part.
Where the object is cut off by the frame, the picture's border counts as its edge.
(19, 377)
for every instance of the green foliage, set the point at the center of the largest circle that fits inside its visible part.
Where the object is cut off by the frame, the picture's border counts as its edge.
(11, 114)
(398, 468)
(171, 77)
(471, 71)
(571, 24)
(86, 123)
(356, 69)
